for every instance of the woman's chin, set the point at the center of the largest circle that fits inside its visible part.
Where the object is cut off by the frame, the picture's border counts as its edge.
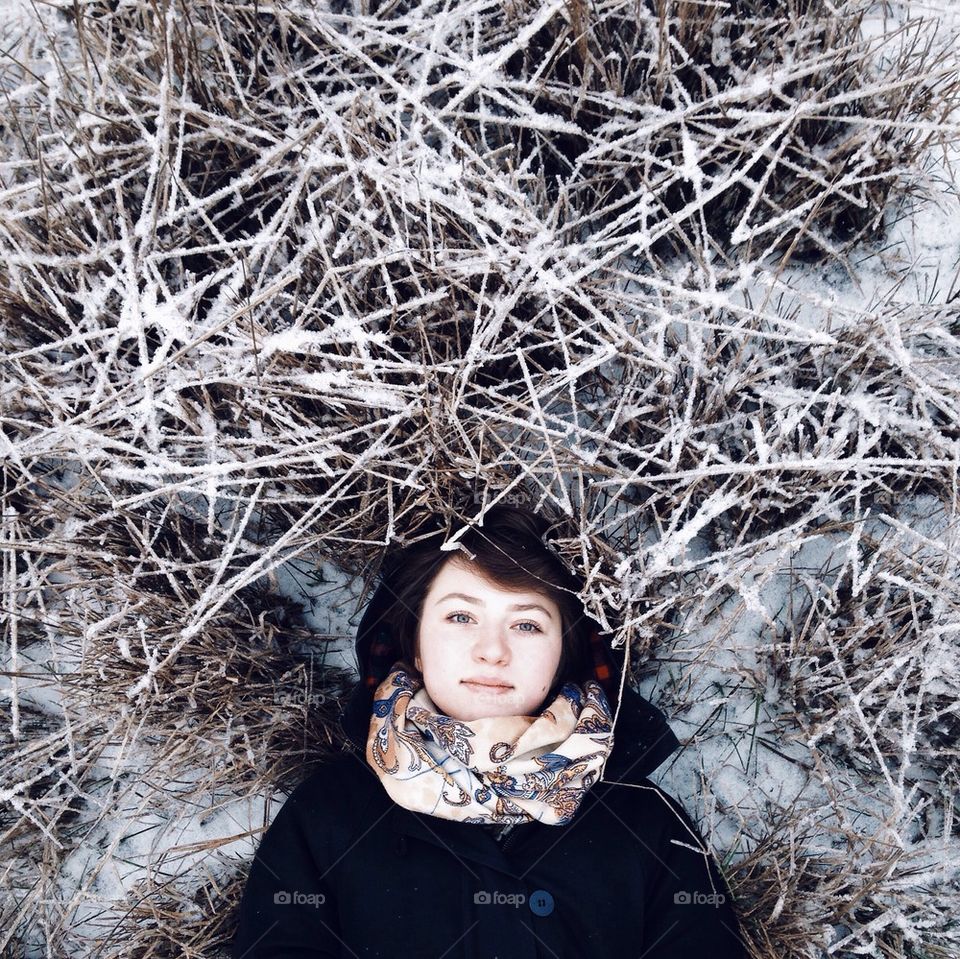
(487, 707)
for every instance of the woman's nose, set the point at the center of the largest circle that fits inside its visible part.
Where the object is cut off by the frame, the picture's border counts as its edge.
(491, 645)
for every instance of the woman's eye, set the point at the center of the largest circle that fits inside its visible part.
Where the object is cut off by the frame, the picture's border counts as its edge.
(452, 618)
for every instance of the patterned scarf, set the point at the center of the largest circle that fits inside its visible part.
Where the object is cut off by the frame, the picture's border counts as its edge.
(504, 769)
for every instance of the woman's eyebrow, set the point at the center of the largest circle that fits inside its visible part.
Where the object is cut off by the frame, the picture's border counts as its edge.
(480, 602)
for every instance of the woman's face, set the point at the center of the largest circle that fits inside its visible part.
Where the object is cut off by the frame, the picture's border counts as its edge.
(473, 630)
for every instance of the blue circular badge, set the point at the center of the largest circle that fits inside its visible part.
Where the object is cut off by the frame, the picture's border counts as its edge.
(541, 902)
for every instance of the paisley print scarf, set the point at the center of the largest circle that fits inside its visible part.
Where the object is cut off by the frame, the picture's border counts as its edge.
(504, 769)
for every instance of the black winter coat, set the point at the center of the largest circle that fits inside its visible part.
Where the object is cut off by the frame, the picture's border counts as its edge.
(344, 871)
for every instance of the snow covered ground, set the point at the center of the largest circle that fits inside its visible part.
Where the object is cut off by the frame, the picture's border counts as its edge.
(810, 668)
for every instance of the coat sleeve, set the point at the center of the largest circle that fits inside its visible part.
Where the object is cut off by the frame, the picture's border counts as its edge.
(689, 912)
(288, 910)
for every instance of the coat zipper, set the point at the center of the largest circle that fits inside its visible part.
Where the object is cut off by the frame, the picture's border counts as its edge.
(509, 839)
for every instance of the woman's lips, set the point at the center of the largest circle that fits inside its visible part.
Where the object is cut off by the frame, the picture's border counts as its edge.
(484, 688)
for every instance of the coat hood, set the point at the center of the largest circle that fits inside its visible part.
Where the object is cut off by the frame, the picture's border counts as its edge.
(642, 737)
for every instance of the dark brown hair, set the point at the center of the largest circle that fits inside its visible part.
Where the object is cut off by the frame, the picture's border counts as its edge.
(510, 549)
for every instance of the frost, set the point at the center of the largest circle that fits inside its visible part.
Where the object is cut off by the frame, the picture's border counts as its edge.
(682, 275)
